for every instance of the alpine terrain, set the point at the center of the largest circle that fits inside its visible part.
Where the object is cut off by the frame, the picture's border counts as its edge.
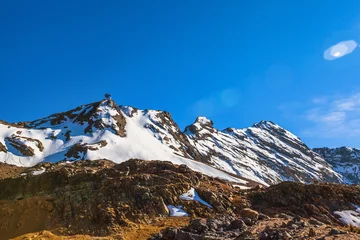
(264, 152)
(345, 161)
(103, 171)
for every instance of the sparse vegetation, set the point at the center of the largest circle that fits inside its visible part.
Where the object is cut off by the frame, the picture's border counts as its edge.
(354, 229)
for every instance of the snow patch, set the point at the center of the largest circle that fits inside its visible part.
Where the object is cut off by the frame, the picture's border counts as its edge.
(242, 187)
(349, 217)
(176, 211)
(203, 120)
(38, 172)
(192, 195)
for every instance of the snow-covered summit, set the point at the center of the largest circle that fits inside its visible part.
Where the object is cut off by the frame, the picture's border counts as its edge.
(204, 121)
(264, 153)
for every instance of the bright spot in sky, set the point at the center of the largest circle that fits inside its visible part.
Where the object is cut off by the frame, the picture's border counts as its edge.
(339, 50)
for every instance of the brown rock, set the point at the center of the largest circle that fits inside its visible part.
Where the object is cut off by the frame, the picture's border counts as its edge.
(312, 232)
(249, 213)
(3, 148)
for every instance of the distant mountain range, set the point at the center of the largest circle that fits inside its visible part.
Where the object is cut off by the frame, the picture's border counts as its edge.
(265, 152)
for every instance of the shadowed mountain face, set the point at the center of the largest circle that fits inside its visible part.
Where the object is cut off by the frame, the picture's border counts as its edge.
(345, 161)
(264, 152)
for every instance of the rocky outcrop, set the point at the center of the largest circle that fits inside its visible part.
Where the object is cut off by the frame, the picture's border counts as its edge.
(315, 200)
(3, 148)
(25, 145)
(79, 150)
(101, 115)
(346, 161)
(9, 171)
(231, 228)
(264, 151)
(107, 109)
(100, 197)
(222, 227)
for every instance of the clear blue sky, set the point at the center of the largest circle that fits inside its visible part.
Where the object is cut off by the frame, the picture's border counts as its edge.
(236, 62)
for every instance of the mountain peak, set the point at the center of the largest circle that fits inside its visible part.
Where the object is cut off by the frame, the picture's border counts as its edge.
(264, 152)
(104, 114)
(204, 121)
(201, 124)
(266, 124)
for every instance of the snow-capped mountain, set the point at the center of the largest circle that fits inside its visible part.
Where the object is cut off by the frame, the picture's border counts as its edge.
(344, 160)
(265, 152)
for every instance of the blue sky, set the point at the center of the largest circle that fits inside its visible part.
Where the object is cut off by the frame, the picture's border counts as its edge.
(236, 62)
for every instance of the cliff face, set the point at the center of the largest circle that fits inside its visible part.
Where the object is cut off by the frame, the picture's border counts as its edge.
(101, 197)
(137, 198)
(345, 161)
(264, 151)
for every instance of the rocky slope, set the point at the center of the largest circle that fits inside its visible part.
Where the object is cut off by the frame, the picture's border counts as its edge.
(100, 198)
(136, 199)
(344, 160)
(265, 152)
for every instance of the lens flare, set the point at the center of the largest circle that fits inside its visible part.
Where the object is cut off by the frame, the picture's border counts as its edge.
(339, 50)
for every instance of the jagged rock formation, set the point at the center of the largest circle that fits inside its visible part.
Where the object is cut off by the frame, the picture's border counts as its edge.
(318, 200)
(265, 152)
(101, 198)
(227, 228)
(95, 116)
(345, 161)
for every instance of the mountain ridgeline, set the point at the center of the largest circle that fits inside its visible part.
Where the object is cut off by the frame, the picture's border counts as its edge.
(263, 153)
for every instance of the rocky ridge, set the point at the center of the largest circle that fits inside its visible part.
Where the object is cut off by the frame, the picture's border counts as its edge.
(345, 161)
(103, 200)
(264, 152)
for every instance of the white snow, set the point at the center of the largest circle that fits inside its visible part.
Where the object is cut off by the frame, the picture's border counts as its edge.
(176, 211)
(241, 187)
(203, 120)
(344, 160)
(139, 143)
(349, 217)
(38, 172)
(67, 162)
(249, 153)
(148, 138)
(192, 195)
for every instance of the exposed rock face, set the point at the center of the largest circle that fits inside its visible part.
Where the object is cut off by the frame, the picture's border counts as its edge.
(3, 148)
(315, 200)
(99, 197)
(79, 150)
(95, 116)
(264, 153)
(224, 228)
(7, 171)
(345, 161)
(231, 228)
(25, 145)
(249, 213)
